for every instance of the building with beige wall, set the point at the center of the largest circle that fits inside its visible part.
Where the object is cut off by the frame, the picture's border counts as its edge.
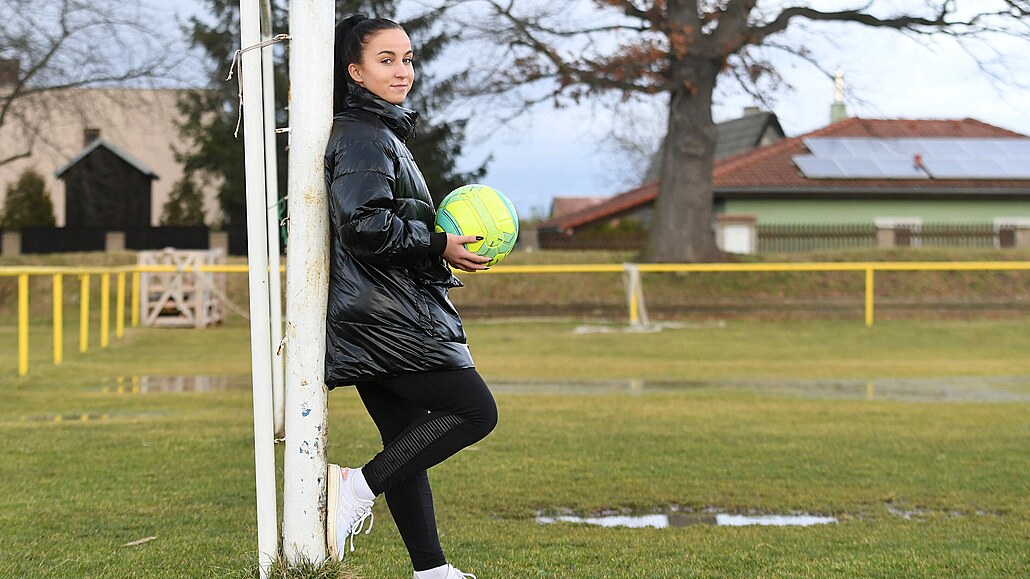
(54, 127)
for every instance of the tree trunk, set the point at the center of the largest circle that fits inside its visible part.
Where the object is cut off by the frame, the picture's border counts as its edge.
(681, 228)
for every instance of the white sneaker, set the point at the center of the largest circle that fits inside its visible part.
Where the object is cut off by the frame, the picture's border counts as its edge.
(346, 514)
(452, 573)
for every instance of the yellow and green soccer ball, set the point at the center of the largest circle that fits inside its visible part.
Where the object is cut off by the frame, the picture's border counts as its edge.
(483, 211)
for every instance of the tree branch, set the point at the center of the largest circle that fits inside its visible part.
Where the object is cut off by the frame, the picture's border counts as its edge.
(15, 157)
(732, 30)
(628, 8)
(39, 65)
(566, 73)
(78, 43)
(780, 23)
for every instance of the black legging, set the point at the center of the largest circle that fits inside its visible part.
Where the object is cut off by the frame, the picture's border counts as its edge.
(423, 418)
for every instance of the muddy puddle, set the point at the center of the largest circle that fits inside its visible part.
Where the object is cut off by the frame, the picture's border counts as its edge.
(84, 417)
(665, 520)
(938, 389)
(166, 384)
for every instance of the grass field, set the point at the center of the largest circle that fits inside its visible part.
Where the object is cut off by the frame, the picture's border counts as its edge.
(915, 434)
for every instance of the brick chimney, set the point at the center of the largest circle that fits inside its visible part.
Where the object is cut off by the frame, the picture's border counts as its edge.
(10, 68)
(89, 134)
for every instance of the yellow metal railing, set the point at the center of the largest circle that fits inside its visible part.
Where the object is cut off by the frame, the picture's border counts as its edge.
(631, 271)
(869, 268)
(85, 276)
(57, 275)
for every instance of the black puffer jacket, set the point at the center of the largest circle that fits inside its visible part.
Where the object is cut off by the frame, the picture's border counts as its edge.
(388, 308)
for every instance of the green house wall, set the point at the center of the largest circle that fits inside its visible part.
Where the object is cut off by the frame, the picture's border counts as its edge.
(862, 211)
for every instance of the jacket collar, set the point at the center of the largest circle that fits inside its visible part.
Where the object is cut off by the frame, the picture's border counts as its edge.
(399, 119)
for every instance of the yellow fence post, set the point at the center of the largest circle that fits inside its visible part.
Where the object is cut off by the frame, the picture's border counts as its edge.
(58, 318)
(634, 294)
(119, 317)
(105, 310)
(84, 312)
(869, 298)
(135, 299)
(23, 324)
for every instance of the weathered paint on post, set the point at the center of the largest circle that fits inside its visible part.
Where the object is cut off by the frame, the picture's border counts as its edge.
(257, 258)
(634, 294)
(307, 279)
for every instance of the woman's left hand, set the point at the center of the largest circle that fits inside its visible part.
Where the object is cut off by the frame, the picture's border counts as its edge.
(459, 257)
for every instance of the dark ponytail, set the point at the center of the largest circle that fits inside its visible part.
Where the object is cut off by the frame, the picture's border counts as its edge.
(351, 35)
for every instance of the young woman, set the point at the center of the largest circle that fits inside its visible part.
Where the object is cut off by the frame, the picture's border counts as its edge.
(391, 329)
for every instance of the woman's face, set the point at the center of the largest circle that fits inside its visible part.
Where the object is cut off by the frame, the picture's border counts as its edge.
(386, 69)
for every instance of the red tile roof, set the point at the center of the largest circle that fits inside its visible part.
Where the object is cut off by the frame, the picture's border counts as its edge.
(612, 207)
(566, 205)
(772, 167)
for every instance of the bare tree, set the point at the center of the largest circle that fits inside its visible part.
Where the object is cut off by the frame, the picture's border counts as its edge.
(632, 142)
(682, 48)
(49, 48)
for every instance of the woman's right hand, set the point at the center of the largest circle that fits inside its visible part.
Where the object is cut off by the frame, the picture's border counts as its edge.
(458, 256)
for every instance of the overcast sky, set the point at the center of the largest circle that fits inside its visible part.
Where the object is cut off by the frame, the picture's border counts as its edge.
(562, 152)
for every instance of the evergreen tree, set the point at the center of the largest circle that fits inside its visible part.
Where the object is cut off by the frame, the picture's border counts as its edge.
(185, 205)
(211, 115)
(27, 203)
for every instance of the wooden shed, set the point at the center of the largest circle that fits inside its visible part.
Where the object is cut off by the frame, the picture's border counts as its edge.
(105, 187)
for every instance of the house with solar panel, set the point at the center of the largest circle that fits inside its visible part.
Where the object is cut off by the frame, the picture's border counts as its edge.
(755, 128)
(855, 183)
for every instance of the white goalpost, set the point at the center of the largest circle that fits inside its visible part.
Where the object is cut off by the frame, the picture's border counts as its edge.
(294, 403)
(307, 279)
(257, 258)
(272, 210)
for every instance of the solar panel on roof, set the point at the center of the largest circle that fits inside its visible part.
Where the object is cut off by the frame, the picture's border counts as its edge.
(901, 169)
(814, 168)
(880, 149)
(946, 169)
(940, 148)
(900, 158)
(981, 149)
(859, 168)
(824, 148)
(978, 169)
(982, 168)
(1016, 168)
(1019, 148)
